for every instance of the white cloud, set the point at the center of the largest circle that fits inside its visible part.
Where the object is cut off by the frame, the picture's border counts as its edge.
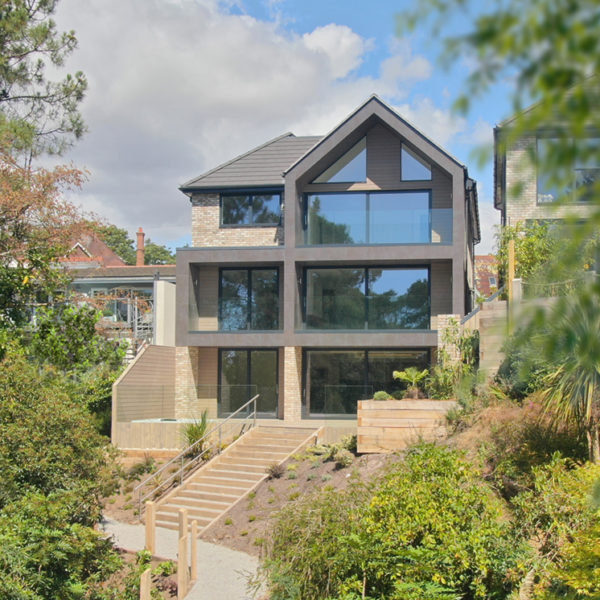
(340, 46)
(177, 87)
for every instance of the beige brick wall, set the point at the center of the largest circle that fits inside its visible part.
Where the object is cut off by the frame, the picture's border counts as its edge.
(443, 322)
(521, 188)
(206, 229)
(292, 383)
(195, 382)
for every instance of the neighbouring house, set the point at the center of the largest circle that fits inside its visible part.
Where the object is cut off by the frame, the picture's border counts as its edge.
(486, 275)
(318, 266)
(523, 194)
(137, 301)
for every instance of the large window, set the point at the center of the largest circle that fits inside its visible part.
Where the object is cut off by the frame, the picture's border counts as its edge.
(249, 299)
(336, 379)
(250, 209)
(367, 298)
(586, 169)
(350, 168)
(369, 218)
(413, 167)
(245, 373)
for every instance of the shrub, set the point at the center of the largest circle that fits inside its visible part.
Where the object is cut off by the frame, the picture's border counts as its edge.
(348, 442)
(148, 465)
(194, 432)
(430, 529)
(343, 458)
(381, 395)
(275, 471)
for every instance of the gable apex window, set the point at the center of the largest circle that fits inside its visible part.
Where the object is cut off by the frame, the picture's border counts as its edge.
(413, 168)
(350, 168)
(250, 209)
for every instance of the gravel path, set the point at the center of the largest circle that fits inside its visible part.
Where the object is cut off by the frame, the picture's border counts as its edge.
(222, 572)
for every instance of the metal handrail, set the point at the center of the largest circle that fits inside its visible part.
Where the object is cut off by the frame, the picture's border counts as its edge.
(469, 316)
(194, 459)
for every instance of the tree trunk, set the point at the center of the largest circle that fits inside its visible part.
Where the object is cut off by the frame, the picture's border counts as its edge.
(594, 443)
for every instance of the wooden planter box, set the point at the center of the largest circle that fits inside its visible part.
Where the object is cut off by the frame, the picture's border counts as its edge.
(388, 425)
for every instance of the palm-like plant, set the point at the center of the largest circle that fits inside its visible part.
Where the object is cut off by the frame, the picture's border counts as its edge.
(572, 342)
(413, 377)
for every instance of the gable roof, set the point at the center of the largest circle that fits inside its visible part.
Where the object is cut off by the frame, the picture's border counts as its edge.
(373, 105)
(90, 248)
(262, 166)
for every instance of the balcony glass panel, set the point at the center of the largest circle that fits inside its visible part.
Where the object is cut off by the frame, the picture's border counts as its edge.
(264, 309)
(402, 217)
(398, 299)
(249, 299)
(335, 298)
(367, 298)
(376, 218)
(337, 219)
(234, 300)
(337, 379)
(244, 373)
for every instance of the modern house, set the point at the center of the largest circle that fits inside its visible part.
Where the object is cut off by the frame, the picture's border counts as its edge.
(318, 266)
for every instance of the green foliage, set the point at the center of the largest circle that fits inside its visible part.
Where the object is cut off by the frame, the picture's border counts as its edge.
(37, 114)
(522, 439)
(45, 554)
(381, 395)
(148, 465)
(535, 244)
(448, 377)
(47, 442)
(343, 458)
(118, 240)
(524, 368)
(194, 432)
(429, 529)
(156, 254)
(348, 442)
(65, 336)
(412, 376)
(557, 506)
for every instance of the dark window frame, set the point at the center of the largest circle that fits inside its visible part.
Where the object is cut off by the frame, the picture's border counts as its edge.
(249, 300)
(250, 195)
(366, 268)
(304, 396)
(367, 194)
(249, 351)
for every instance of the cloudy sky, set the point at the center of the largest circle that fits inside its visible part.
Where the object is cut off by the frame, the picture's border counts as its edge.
(178, 86)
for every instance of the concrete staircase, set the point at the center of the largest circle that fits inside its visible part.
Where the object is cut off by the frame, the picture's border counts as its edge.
(492, 333)
(227, 478)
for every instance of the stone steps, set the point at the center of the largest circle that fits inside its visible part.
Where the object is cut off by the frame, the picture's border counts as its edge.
(218, 485)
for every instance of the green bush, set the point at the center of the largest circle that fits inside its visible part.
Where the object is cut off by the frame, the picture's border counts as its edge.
(194, 432)
(343, 458)
(430, 529)
(381, 395)
(47, 441)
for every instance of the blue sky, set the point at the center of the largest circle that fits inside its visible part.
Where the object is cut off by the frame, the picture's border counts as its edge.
(179, 86)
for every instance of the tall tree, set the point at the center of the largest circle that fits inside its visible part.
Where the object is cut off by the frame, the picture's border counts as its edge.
(37, 115)
(36, 228)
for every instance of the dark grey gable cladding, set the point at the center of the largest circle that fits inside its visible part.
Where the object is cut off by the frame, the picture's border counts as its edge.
(263, 166)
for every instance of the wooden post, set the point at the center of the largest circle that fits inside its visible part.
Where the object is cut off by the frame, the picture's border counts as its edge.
(145, 585)
(511, 268)
(194, 551)
(182, 568)
(151, 527)
(183, 522)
